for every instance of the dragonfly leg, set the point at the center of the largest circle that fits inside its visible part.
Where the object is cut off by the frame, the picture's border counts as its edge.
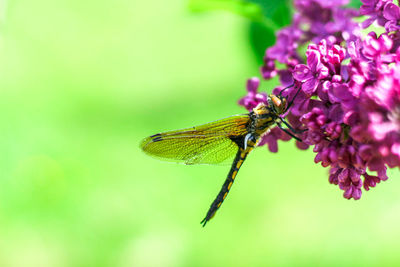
(292, 129)
(288, 132)
(237, 163)
(284, 89)
(291, 102)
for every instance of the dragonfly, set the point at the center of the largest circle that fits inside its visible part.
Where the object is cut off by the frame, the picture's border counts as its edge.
(222, 141)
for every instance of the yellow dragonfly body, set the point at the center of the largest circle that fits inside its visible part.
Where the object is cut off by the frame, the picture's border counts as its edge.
(219, 141)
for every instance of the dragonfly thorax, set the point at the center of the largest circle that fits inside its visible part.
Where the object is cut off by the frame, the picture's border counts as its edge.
(263, 117)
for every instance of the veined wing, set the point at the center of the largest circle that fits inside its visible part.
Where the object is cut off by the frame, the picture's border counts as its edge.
(209, 143)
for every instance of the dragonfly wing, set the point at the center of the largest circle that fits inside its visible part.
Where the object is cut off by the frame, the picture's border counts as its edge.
(210, 143)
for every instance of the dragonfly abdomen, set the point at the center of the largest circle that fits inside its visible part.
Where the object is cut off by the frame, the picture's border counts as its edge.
(237, 163)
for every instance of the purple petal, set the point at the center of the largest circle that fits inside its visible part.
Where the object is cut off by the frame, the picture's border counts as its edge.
(341, 92)
(391, 11)
(252, 84)
(376, 164)
(310, 86)
(366, 23)
(348, 193)
(313, 60)
(323, 71)
(391, 26)
(385, 41)
(396, 149)
(350, 118)
(301, 145)
(285, 77)
(302, 73)
(336, 113)
(357, 194)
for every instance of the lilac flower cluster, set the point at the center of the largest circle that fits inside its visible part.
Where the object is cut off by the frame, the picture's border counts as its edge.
(350, 89)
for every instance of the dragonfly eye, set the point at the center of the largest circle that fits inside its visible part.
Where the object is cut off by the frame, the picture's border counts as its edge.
(278, 103)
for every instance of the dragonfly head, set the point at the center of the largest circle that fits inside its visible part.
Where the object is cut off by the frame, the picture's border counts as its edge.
(277, 103)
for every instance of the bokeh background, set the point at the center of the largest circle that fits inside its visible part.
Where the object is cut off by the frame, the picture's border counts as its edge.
(82, 82)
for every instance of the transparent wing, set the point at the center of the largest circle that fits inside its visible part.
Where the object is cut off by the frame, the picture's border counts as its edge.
(204, 144)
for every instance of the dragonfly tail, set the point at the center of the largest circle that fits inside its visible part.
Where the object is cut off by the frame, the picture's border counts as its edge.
(237, 163)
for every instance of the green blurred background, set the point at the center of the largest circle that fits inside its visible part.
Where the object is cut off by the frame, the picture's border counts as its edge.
(82, 82)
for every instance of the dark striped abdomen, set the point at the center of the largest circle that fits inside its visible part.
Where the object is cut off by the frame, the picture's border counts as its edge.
(237, 163)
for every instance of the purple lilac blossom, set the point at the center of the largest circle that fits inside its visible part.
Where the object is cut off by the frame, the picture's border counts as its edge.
(350, 89)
